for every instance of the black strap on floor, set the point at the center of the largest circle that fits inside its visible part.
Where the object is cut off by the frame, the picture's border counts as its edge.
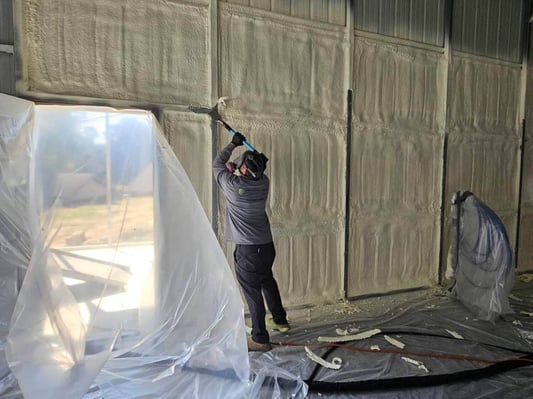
(420, 381)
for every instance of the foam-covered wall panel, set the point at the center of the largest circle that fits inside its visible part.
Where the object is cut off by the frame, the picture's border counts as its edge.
(189, 135)
(484, 96)
(305, 206)
(398, 86)
(396, 162)
(287, 79)
(484, 136)
(143, 51)
(272, 64)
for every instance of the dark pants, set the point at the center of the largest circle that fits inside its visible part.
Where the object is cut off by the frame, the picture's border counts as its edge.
(253, 267)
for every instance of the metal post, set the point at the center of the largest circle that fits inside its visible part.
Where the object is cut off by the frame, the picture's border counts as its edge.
(348, 178)
(448, 23)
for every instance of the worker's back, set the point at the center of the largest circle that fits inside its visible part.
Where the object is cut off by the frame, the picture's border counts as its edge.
(246, 219)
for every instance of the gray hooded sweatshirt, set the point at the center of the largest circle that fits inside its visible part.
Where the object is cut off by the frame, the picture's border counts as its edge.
(246, 219)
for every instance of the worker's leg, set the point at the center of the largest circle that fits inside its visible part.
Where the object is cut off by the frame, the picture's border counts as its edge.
(267, 254)
(246, 261)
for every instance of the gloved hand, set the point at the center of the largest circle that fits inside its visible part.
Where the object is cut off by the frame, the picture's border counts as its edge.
(238, 139)
(264, 158)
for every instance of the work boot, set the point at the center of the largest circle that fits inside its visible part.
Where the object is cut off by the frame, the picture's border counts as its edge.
(258, 347)
(272, 325)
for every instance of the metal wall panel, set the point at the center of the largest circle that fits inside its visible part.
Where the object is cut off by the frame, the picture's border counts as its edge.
(262, 4)
(7, 73)
(7, 60)
(491, 28)
(417, 20)
(327, 11)
(302, 9)
(320, 10)
(6, 22)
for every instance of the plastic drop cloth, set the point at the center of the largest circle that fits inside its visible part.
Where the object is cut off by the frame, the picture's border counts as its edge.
(112, 281)
(480, 258)
(425, 325)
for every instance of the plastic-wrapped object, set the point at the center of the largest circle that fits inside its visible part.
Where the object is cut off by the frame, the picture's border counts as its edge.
(480, 258)
(127, 292)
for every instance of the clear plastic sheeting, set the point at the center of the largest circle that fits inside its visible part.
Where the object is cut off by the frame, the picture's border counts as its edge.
(425, 325)
(16, 123)
(126, 292)
(480, 258)
(276, 376)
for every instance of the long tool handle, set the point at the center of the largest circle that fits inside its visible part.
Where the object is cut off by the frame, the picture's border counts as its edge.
(230, 129)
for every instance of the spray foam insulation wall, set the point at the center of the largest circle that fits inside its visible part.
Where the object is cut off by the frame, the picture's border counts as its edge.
(152, 51)
(395, 191)
(287, 80)
(287, 71)
(189, 135)
(277, 65)
(484, 136)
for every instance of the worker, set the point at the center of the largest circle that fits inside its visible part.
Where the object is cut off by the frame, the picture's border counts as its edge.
(245, 188)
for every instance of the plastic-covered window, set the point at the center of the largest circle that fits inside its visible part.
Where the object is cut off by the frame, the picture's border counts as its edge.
(113, 276)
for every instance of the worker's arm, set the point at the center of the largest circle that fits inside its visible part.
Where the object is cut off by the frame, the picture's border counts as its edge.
(219, 164)
(220, 170)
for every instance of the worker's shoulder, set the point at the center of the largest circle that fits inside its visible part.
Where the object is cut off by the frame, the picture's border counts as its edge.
(237, 182)
(263, 181)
